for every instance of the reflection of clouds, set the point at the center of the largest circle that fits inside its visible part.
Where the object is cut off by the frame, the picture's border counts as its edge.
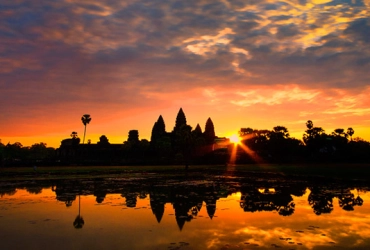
(266, 237)
(341, 228)
(357, 224)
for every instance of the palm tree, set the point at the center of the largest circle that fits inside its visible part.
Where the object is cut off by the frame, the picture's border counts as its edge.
(85, 120)
(339, 132)
(350, 132)
(309, 124)
(79, 221)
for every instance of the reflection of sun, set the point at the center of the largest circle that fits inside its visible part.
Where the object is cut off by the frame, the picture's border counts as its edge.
(235, 139)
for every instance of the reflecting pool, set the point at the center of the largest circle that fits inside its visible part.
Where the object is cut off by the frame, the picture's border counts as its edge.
(156, 212)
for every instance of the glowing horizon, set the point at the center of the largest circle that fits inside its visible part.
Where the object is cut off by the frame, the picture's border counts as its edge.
(257, 65)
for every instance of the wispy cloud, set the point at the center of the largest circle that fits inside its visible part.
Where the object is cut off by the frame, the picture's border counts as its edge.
(108, 54)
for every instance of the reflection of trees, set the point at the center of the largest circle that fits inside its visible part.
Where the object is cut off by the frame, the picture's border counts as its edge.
(34, 189)
(359, 201)
(347, 200)
(284, 204)
(253, 200)
(187, 195)
(321, 201)
(7, 191)
(79, 221)
(100, 196)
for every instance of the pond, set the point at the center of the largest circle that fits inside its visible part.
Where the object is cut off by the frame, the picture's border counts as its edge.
(157, 212)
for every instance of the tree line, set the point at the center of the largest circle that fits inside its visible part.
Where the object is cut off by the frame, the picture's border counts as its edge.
(185, 145)
(276, 145)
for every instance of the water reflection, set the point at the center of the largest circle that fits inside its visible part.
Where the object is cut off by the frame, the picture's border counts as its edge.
(249, 211)
(79, 221)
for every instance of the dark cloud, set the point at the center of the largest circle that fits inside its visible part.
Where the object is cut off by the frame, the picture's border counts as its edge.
(353, 3)
(115, 52)
(246, 26)
(280, 18)
(359, 30)
(287, 31)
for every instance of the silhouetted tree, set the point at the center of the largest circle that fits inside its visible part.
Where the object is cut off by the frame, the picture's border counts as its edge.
(339, 143)
(358, 150)
(309, 124)
(280, 132)
(339, 132)
(39, 152)
(85, 120)
(350, 132)
(14, 153)
(318, 144)
(246, 132)
(313, 134)
(103, 141)
(281, 147)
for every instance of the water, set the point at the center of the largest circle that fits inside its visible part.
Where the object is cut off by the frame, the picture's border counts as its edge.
(157, 212)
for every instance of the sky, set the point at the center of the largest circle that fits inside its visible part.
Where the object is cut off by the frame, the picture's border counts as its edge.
(243, 63)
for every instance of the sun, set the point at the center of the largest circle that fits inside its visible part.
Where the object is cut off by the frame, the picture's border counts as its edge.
(235, 139)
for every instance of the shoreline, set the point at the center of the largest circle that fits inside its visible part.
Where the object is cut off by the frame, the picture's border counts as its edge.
(341, 171)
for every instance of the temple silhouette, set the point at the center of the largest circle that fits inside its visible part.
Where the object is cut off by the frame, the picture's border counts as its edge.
(187, 145)
(182, 145)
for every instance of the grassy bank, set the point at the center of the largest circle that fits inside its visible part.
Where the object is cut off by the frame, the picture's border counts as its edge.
(345, 171)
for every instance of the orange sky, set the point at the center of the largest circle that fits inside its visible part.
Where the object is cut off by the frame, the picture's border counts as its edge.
(259, 65)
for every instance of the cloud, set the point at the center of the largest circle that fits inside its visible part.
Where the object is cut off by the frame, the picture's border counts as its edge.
(106, 54)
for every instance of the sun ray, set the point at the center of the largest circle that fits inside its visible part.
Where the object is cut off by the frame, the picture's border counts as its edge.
(251, 153)
(235, 139)
(237, 142)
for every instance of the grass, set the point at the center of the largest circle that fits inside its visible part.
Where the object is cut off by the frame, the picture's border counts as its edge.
(345, 171)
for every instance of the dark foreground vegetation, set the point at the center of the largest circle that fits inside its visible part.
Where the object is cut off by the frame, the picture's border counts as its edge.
(187, 146)
(352, 172)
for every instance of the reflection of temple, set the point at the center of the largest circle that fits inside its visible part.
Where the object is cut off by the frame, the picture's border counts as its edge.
(186, 201)
(188, 195)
